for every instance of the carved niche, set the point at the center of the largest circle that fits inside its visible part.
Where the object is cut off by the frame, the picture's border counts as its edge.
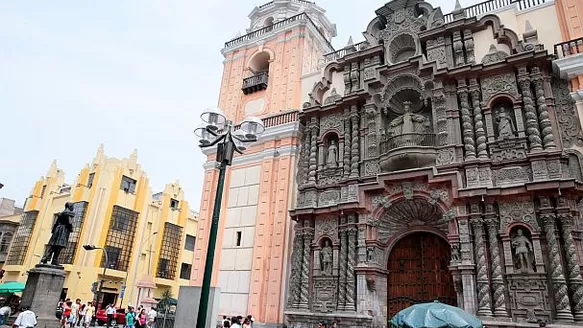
(567, 118)
(505, 126)
(522, 250)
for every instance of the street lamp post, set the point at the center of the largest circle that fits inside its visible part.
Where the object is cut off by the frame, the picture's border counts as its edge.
(105, 265)
(219, 131)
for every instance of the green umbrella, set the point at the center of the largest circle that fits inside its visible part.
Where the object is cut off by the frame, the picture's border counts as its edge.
(434, 315)
(11, 287)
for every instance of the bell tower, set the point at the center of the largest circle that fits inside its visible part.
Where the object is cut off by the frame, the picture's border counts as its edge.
(262, 76)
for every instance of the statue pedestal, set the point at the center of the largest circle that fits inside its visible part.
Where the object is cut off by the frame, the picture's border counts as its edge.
(42, 292)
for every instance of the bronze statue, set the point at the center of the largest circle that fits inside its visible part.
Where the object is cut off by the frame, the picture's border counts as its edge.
(60, 235)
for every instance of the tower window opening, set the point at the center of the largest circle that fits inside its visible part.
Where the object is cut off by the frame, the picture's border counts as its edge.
(268, 22)
(238, 241)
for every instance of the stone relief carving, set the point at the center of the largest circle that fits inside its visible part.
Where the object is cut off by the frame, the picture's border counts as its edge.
(349, 193)
(327, 227)
(500, 83)
(455, 253)
(519, 211)
(445, 156)
(371, 167)
(511, 176)
(494, 56)
(506, 128)
(325, 294)
(328, 198)
(567, 118)
(333, 97)
(331, 122)
(523, 252)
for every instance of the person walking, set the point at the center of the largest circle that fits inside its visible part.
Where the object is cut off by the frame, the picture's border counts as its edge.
(130, 318)
(26, 319)
(142, 319)
(81, 319)
(5, 312)
(89, 313)
(110, 311)
(152, 318)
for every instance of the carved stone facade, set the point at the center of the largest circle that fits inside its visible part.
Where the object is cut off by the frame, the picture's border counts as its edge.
(468, 173)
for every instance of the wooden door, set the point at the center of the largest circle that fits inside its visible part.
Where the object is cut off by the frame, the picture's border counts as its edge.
(418, 272)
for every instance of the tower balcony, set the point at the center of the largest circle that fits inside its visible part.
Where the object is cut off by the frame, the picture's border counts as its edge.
(255, 83)
(407, 151)
(569, 58)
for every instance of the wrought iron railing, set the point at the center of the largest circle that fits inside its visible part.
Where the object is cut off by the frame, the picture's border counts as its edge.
(275, 26)
(492, 5)
(407, 140)
(569, 48)
(256, 82)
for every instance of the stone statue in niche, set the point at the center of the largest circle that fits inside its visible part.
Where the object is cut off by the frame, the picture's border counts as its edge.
(408, 122)
(455, 253)
(332, 157)
(326, 258)
(506, 128)
(523, 251)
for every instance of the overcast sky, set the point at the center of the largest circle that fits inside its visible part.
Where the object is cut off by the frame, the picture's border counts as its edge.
(125, 73)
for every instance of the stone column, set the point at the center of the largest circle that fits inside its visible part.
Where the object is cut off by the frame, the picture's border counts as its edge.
(559, 285)
(371, 117)
(480, 132)
(347, 144)
(304, 165)
(467, 124)
(296, 270)
(484, 300)
(532, 131)
(573, 270)
(543, 113)
(343, 267)
(350, 265)
(498, 286)
(308, 235)
(355, 151)
(313, 150)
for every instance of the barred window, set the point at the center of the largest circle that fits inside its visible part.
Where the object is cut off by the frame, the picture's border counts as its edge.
(120, 238)
(67, 255)
(90, 180)
(169, 251)
(185, 269)
(22, 238)
(128, 184)
(6, 238)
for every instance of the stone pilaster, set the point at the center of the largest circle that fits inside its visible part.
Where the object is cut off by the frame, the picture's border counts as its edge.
(469, 46)
(343, 267)
(321, 157)
(355, 151)
(313, 160)
(458, 48)
(308, 235)
(296, 270)
(543, 112)
(573, 270)
(351, 264)
(498, 285)
(480, 132)
(559, 285)
(532, 130)
(483, 284)
(347, 143)
(371, 123)
(303, 166)
(467, 124)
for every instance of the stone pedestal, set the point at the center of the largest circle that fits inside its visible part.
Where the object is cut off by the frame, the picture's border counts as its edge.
(188, 302)
(42, 292)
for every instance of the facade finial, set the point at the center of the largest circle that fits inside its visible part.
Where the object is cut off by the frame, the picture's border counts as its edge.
(528, 26)
(350, 42)
(458, 12)
(457, 5)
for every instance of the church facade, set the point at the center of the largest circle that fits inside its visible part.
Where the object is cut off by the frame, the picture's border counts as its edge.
(440, 160)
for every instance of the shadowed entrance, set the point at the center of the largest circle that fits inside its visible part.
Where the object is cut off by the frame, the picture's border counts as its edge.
(418, 272)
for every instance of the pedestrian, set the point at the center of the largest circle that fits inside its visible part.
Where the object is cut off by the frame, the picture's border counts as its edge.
(5, 314)
(26, 319)
(110, 311)
(130, 318)
(235, 322)
(66, 313)
(142, 319)
(89, 313)
(81, 314)
(226, 322)
(152, 318)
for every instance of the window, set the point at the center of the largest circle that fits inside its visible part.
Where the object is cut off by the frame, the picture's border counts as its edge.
(22, 238)
(120, 236)
(169, 251)
(90, 180)
(174, 204)
(185, 269)
(238, 242)
(42, 192)
(189, 243)
(128, 184)
(5, 243)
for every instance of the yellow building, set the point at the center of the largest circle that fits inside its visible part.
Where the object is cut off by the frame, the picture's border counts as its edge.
(148, 237)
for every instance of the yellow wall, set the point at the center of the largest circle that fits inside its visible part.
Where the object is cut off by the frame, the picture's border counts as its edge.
(103, 195)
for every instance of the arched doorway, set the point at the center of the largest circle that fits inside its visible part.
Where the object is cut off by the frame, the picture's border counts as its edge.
(418, 272)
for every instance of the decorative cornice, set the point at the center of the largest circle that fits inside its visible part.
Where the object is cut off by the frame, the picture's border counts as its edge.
(569, 67)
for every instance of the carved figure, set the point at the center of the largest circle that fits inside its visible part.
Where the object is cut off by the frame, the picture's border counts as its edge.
(408, 125)
(332, 159)
(326, 258)
(505, 125)
(522, 249)
(60, 235)
(455, 253)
